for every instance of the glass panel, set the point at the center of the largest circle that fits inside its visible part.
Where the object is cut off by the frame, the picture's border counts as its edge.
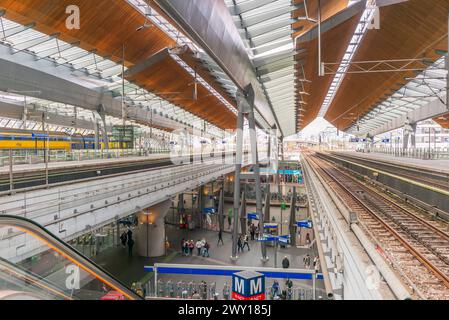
(35, 265)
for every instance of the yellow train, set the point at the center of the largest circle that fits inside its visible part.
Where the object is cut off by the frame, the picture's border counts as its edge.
(32, 141)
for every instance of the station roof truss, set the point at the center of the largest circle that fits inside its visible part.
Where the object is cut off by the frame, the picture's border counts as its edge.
(266, 28)
(392, 69)
(97, 53)
(427, 86)
(38, 108)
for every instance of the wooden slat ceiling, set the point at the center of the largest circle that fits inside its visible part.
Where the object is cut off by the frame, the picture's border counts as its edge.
(443, 121)
(172, 82)
(334, 44)
(328, 9)
(105, 26)
(413, 29)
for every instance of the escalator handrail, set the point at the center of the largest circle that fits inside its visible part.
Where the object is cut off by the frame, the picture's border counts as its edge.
(29, 226)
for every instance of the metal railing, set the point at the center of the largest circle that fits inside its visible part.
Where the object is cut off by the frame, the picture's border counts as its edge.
(417, 153)
(36, 156)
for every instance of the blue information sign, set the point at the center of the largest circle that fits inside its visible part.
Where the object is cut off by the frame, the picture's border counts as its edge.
(252, 216)
(39, 135)
(304, 224)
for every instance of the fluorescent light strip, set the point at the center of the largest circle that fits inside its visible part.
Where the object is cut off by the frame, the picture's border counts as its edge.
(359, 33)
(163, 24)
(203, 82)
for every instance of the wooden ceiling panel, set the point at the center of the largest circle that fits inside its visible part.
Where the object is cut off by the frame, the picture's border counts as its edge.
(443, 121)
(173, 83)
(107, 25)
(413, 29)
(334, 45)
(328, 9)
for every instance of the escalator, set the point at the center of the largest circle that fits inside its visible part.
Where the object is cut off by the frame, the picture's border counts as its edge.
(36, 265)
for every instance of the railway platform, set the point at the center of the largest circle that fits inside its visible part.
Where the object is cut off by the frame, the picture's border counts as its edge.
(439, 165)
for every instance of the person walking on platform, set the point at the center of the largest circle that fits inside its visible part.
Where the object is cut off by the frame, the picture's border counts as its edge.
(130, 246)
(252, 231)
(306, 261)
(316, 264)
(239, 244)
(257, 232)
(220, 238)
(246, 242)
(285, 263)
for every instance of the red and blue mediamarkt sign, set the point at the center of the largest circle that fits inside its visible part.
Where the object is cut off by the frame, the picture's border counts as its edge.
(248, 285)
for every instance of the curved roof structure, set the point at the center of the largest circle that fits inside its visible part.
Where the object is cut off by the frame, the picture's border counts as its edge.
(369, 78)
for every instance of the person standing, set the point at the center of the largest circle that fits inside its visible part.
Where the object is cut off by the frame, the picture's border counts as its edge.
(191, 247)
(123, 239)
(285, 263)
(130, 233)
(130, 246)
(220, 238)
(206, 250)
(199, 245)
(230, 214)
(316, 264)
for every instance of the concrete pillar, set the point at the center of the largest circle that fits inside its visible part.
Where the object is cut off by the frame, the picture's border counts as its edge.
(150, 233)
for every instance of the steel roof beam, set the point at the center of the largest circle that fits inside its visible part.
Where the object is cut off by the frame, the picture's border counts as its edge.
(212, 27)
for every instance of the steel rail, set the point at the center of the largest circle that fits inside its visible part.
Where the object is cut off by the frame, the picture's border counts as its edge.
(437, 272)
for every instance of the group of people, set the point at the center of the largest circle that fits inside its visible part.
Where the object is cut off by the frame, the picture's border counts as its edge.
(127, 240)
(242, 243)
(307, 260)
(202, 246)
(254, 231)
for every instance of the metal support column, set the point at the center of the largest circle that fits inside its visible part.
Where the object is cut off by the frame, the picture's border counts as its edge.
(447, 65)
(255, 161)
(102, 113)
(245, 102)
(200, 206)
(97, 134)
(267, 205)
(293, 219)
(221, 208)
(181, 202)
(242, 213)
(238, 168)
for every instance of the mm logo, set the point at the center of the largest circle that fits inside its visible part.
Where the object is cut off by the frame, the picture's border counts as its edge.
(248, 285)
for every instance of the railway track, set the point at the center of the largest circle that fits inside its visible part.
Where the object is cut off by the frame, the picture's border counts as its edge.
(415, 244)
(424, 176)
